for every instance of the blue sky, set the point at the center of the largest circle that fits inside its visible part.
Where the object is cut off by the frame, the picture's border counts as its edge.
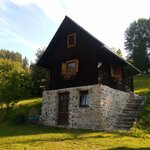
(26, 25)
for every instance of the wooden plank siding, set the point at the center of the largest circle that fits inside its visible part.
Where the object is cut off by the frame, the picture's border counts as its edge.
(83, 51)
(87, 50)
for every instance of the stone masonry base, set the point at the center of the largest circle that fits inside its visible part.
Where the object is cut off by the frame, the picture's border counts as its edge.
(105, 104)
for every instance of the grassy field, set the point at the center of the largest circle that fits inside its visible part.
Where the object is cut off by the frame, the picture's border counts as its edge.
(24, 137)
(142, 87)
(142, 84)
(45, 138)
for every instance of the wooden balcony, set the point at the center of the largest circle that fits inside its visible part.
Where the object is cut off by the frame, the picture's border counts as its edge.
(124, 84)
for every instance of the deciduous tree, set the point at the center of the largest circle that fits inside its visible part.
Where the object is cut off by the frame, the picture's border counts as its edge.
(137, 43)
(15, 83)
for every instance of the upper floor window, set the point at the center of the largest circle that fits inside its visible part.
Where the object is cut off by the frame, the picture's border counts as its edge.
(116, 72)
(71, 40)
(70, 68)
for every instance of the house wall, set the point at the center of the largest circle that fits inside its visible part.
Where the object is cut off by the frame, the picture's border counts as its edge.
(105, 104)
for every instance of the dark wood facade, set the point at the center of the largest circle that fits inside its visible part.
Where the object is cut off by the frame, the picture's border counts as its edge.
(96, 63)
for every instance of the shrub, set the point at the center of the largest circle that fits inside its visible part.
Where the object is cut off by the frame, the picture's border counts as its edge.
(20, 118)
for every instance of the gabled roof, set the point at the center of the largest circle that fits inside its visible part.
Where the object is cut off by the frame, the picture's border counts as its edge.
(69, 20)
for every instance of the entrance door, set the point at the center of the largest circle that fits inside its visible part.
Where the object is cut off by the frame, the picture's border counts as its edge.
(63, 109)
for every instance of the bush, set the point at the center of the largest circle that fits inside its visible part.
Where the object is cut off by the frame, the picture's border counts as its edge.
(20, 118)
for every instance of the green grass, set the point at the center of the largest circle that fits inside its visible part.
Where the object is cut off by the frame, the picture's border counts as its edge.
(142, 87)
(142, 84)
(43, 138)
(24, 137)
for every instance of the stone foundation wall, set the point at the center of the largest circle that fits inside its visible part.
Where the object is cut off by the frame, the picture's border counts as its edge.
(105, 104)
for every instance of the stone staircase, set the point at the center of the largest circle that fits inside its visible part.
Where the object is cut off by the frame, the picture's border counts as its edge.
(129, 114)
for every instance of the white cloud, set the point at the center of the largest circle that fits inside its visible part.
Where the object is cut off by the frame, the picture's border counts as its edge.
(21, 2)
(12, 36)
(3, 6)
(52, 8)
(108, 19)
(105, 19)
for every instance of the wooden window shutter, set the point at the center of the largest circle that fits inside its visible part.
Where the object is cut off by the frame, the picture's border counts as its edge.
(77, 65)
(63, 69)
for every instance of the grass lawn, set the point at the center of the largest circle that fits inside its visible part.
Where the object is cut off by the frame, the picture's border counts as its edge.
(24, 137)
(45, 138)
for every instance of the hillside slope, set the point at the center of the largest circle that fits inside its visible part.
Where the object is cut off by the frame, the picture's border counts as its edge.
(142, 87)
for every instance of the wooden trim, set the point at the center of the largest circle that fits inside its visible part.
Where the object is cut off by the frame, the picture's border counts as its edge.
(77, 65)
(63, 108)
(74, 40)
(71, 61)
(76, 61)
(63, 69)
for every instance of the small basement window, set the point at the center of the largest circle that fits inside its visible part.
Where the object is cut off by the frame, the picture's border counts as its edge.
(84, 99)
(71, 40)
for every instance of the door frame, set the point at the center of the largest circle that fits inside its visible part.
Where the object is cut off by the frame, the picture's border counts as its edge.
(63, 111)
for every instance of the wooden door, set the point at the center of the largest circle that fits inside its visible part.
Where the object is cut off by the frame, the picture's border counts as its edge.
(63, 109)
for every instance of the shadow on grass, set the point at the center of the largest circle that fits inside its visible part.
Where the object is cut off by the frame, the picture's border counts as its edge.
(7, 129)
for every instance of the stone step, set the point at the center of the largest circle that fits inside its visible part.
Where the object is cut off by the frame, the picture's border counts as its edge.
(127, 115)
(129, 110)
(135, 100)
(123, 127)
(125, 123)
(129, 118)
(132, 105)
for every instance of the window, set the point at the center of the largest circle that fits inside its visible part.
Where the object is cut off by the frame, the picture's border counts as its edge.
(113, 71)
(84, 99)
(116, 71)
(71, 40)
(70, 68)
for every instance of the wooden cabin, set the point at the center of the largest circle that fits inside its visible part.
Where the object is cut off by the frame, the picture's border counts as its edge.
(75, 58)
(87, 80)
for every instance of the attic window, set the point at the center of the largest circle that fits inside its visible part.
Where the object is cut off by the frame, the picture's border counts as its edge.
(71, 40)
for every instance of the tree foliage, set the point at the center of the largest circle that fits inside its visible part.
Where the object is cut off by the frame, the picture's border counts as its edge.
(41, 79)
(14, 56)
(137, 43)
(40, 76)
(117, 51)
(15, 83)
(40, 52)
(6, 54)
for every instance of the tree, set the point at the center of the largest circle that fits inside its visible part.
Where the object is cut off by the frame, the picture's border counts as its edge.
(117, 51)
(25, 63)
(40, 52)
(40, 76)
(137, 43)
(15, 83)
(6, 54)
(41, 79)
(14, 56)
